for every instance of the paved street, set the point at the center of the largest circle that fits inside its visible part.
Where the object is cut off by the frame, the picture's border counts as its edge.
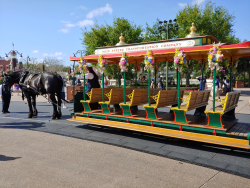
(31, 156)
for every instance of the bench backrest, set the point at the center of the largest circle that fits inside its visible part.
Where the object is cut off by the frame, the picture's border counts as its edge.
(168, 97)
(96, 94)
(198, 99)
(231, 100)
(116, 95)
(138, 97)
(152, 93)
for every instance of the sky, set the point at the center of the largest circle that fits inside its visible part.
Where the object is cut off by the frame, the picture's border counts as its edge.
(52, 28)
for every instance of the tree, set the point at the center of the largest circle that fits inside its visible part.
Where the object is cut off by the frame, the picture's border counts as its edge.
(212, 20)
(108, 35)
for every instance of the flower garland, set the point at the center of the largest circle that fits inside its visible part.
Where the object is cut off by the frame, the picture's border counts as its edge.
(102, 64)
(149, 61)
(179, 59)
(123, 63)
(83, 65)
(214, 57)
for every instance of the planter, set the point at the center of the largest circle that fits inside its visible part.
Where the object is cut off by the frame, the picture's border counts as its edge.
(239, 84)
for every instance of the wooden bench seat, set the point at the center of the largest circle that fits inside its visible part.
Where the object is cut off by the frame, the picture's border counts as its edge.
(163, 98)
(115, 96)
(226, 109)
(95, 95)
(137, 97)
(195, 100)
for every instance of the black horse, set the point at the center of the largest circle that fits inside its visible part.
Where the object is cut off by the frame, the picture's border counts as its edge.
(38, 84)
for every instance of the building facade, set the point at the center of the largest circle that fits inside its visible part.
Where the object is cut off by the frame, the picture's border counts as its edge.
(4, 65)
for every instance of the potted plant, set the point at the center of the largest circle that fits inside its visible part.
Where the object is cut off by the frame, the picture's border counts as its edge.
(239, 83)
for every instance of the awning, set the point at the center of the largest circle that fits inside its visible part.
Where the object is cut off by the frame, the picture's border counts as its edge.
(192, 53)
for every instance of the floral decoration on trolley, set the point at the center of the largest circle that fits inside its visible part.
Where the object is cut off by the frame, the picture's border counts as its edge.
(179, 59)
(102, 64)
(149, 61)
(83, 65)
(214, 57)
(123, 63)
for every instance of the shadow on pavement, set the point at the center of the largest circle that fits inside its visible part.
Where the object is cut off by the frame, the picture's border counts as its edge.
(6, 158)
(22, 125)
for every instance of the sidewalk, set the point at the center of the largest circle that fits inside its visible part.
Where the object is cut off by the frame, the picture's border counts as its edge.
(36, 159)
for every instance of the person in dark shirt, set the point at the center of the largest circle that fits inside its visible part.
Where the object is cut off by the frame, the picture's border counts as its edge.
(202, 82)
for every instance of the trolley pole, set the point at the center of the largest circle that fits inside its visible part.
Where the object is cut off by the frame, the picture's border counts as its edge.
(124, 87)
(103, 87)
(73, 83)
(214, 89)
(84, 98)
(166, 75)
(149, 88)
(202, 74)
(118, 80)
(231, 70)
(155, 76)
(178, 85)
(136, 74)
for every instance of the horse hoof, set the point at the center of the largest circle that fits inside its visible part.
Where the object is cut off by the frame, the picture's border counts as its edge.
(30, 115)
(35, 113)
(53, 117)
(58, 116)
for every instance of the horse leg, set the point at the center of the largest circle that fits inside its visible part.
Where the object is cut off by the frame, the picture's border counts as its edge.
(59, 102)
(29, 104)
(54, 102)
(33, 101)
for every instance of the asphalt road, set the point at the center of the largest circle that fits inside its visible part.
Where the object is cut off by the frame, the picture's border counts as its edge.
(226, 159)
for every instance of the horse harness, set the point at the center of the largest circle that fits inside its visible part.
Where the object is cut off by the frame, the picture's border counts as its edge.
(23, 76)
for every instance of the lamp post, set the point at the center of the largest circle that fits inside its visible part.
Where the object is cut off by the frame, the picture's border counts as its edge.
(13, 53)
(167, 26)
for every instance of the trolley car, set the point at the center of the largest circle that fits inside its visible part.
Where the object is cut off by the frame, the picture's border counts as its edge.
(217, 125)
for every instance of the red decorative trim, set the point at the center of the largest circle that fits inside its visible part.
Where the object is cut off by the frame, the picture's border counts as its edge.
(174, 117)
(221, 122)
(107, 118)
(152, 124)
(186, 117)
(88, 115)
(207, 120)
(180, 128)
(214, 132)
(127, 120)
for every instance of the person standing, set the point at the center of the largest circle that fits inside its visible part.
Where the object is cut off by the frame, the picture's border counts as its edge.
(160, 84)
(92, 82)
(226, 85)
(16, 88)
(5, 94)
(202, 82)
(152, 85)
(63, 94)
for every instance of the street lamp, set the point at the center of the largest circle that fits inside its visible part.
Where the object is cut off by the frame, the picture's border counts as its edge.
(78, 51)
(165, 26)
(13, 58)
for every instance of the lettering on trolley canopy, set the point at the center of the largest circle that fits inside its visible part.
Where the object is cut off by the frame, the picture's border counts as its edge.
(143, 47)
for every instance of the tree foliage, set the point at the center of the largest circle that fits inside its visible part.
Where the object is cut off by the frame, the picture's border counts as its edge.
(212, 20)
(108, 35)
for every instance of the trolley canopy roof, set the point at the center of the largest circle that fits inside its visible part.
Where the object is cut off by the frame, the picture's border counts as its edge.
(167, 54)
